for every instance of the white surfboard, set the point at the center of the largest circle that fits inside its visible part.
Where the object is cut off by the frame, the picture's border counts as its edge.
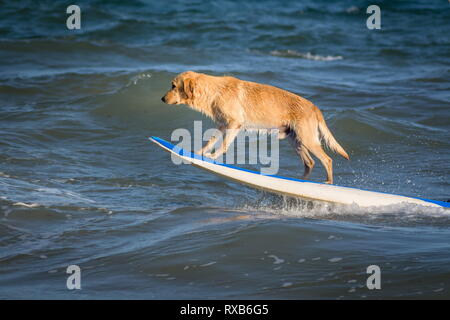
(303, 189)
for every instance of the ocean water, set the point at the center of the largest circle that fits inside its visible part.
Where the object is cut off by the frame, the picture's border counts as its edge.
(80, 184)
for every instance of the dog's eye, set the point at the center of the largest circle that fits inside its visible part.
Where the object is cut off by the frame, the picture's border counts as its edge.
(173, 86)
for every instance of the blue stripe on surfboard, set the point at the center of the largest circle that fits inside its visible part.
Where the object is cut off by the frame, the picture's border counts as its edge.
(189, 154)
(441, 203)
(192, 155)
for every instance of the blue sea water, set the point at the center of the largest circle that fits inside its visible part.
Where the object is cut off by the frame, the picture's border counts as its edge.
(81, 184)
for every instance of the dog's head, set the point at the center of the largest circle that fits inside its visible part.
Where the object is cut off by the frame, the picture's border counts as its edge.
(183, 88)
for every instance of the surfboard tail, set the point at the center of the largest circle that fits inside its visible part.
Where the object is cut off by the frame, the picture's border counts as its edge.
(328, 137)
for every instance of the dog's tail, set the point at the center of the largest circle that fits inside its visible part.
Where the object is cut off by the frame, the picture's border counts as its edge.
(330, 141)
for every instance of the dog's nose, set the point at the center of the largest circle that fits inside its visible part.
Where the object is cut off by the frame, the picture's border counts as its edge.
(163, 99)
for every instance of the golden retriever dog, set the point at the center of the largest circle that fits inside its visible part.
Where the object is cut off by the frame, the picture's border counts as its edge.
(235, 104)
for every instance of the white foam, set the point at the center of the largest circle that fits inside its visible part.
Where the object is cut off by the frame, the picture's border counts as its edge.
(307, 55)
(28, 205)
(293, 207)
(134, 80)
(277, 260)
(2, 174)
(352, 9)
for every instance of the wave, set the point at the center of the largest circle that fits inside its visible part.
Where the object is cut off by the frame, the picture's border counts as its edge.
(307, 55)
(272, 206)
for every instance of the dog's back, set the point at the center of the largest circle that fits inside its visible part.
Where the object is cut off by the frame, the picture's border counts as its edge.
(259, 105)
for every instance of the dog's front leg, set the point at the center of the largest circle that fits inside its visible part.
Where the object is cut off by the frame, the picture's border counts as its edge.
(230, 134)
(211, 142)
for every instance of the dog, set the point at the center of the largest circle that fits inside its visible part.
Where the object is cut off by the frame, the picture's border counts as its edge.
(235, 104)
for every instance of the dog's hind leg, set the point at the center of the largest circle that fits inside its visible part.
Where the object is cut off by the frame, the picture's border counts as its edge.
(303, 153)
(324, 158)
(308, 134)
(308, 160)
(316, 149)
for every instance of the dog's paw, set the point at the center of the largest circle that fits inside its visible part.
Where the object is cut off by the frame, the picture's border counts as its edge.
(199, 152)
(213, 156)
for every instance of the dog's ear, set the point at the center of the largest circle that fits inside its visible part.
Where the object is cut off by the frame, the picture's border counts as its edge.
(189, 85)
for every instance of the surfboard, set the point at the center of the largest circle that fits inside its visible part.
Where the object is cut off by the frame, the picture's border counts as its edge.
(304, 189)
